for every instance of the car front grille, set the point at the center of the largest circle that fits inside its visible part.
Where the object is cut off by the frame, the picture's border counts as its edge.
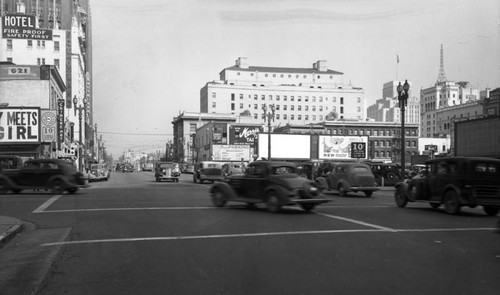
(487, 194)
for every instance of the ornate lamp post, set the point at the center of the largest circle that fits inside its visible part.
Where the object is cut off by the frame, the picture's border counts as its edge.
(403, 101)
(268, 115)
(80, 109)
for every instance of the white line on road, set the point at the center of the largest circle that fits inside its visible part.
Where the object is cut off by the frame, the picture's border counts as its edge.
(177, 238)
(356, 221)
(46, 204)
(127, 209)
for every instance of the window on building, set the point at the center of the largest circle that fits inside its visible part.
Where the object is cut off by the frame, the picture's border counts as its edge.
(270, 97)
(359, 110)
(213, 104)
(284, 117)
(255, 106)
(232, 106)
(382, 154)
(314, 99)
(334, 131)
(292, 117)
(299, 117)
(359, 99)
(292, 107)
(320, 108)
(255, 97)
(56, 62)
(306, 117)
(299, 108)
(321, 117)
(43, 43)
(292, 98)
(375, 142)
(277, 116)
(382, 143)
(255, 116)
(241, 95)
(38, 61)
(30, 43)
(277, 97)
(284, 98)
(341, 100)
(306, 99)
(299, 98)
(262, 97)
(241, 106)
(314, 117)
(56, 45)
(192, 128)
(232, 96)
(9, 59)
(9, 44)
(341, 110)
(277, 107)
(313, 108)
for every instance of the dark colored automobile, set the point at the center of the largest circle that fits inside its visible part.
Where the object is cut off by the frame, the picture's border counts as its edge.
(454, 182)
(274, 183)
(387, 174)
(349, 177)
(127, 167)
(167, 171)
(54, 174)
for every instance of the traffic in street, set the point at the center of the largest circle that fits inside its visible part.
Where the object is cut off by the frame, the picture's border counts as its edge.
(134, 235)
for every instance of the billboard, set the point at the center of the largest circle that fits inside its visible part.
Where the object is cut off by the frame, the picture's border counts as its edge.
(23, 26)
(339, 147)
(231, 153)
(285, 146)
(478, 138)
(48, 131)
(19, 125)
(243, 134)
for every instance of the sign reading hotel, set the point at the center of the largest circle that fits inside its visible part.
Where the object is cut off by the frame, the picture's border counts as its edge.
(339, 147)
(19, 125)
(21, 26)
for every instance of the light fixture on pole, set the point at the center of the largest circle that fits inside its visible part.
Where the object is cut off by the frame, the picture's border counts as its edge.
(403, 101)
(268, 115)
(80, 109)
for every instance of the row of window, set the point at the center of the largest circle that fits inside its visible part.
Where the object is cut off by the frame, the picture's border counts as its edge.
(283, 75)
(369, 132)
(292, 108)
(40, 61)
(285, 98)
(39, 43)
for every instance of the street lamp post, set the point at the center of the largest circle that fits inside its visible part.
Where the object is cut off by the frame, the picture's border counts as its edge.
(80, 109)
(97, 141)
(268, 115)
(403, 101)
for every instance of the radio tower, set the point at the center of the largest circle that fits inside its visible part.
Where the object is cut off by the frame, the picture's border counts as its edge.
(441, 76)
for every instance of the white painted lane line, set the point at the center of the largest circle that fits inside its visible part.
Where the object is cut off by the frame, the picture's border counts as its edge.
(128, 209)
(207, 237)
(47, 204)
(356, 222)
(178, 238)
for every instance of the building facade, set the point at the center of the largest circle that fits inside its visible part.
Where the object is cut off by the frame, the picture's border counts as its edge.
(299, 95)
(387, 108)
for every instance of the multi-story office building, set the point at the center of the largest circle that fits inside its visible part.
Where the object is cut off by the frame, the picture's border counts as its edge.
(387, 108)
(441, 96)
(299, 95)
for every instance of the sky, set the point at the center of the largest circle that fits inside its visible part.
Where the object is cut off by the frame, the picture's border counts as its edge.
(152, 57)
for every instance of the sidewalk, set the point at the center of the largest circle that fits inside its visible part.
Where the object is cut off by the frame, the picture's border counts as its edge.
(8, 227)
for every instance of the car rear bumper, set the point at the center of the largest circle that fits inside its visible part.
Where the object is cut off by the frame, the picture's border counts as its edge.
(364, 188)
(310, 201)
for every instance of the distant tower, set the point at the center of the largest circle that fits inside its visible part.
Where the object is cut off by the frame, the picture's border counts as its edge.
(441, 76)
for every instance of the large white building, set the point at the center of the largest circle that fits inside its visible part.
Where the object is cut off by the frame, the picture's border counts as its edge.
(299, 95)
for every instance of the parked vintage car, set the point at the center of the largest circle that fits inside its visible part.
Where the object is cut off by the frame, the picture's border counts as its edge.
(454, 182)
(167, 171)
(98, 172)
(208, 171)
(274, 183)
(54, 174)
(387, 174)
(349, 177)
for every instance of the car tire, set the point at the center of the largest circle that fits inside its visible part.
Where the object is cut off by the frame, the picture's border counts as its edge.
(56, 187)
(218, 198)
(72, 190)
(400, 198)
(435, 205)
(491, 210)
(341, 190)
(451, 202)
(368, 194)
(16, 190)
(308, 207)
(273, 202)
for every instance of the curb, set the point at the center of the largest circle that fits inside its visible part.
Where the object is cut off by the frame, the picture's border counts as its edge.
(9, 233)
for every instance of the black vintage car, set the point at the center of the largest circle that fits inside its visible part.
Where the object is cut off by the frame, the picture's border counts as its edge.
(454, 182)
(54, 174)
(270, 182)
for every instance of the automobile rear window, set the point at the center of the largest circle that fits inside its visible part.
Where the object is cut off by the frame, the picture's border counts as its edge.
(359, 169)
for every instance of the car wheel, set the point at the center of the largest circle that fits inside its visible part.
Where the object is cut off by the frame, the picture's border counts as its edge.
(341, 189)
(72, 190)
(218, 198)
(16, 190)
(400, 198)
(451, 203)
(491, 210)
(435, 205)
(391, 175)
(273, 202)
(56, 187)
(368, 194)
(308, 207)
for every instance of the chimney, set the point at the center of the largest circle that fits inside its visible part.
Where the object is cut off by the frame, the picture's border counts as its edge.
(242, 62)
(320, 66)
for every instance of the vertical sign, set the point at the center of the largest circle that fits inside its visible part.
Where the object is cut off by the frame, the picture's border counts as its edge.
(60, 123)
(49, 126)
(358, 150)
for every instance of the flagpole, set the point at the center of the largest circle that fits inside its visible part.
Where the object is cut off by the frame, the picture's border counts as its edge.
(397, 66)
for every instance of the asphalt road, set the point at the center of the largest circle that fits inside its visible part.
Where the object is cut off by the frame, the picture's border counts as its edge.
(131, 235)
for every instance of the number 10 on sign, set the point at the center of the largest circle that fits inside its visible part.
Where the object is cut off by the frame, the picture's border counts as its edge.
(358, 150)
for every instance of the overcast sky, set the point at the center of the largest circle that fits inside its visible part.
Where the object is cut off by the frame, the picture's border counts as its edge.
(152, 57)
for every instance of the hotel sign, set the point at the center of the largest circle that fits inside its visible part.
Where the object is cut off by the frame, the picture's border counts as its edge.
(21, 26)
(19, 125)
